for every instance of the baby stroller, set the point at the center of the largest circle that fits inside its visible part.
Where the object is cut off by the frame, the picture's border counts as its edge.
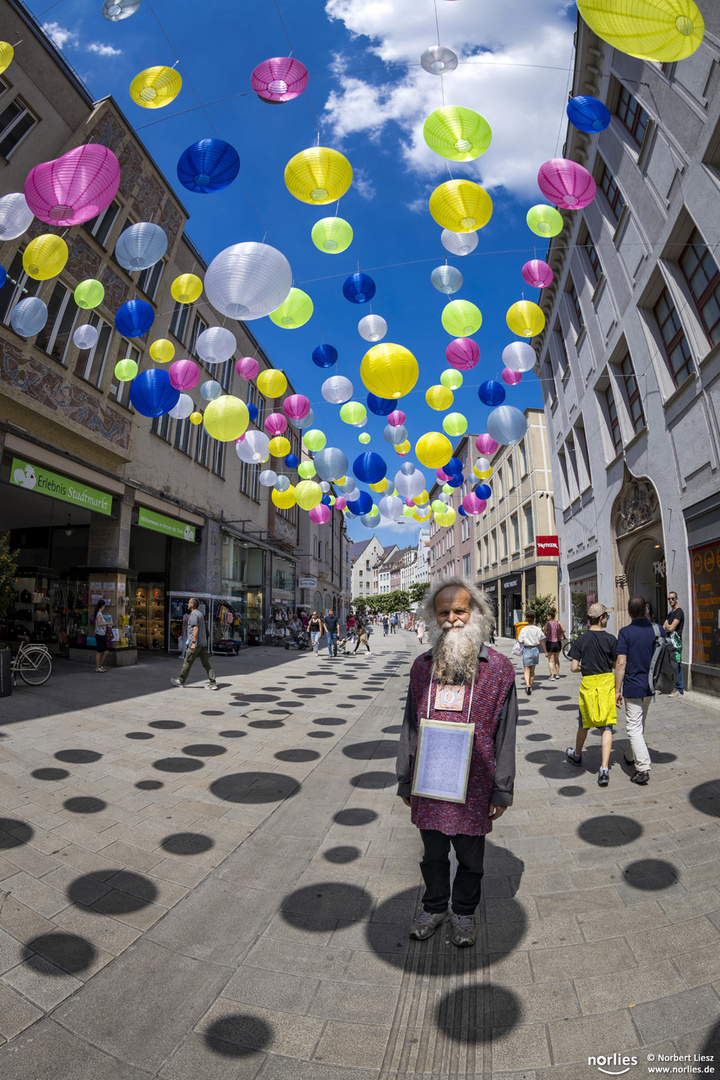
(299, 640)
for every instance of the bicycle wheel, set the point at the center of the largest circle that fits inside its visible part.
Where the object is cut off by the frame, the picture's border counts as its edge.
(35, 666)
(566, 649)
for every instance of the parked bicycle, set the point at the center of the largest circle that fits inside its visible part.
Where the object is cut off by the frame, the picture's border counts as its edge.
(32, 662)
(567, 645)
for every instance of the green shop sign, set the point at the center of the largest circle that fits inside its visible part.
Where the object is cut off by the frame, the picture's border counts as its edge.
(32, 477)
(170, 526)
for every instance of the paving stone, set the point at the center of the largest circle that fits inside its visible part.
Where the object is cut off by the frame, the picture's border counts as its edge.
(48, 1052)
(666, 1018)
(43, 983)
(701, 966)
(577, 901)
(271, 990)
(670, 941)
(354, 1002)
(572, 1040)
(35, 894)
(596, 926)
(602, 993)
(362, 1044)
(289, 1033)
(282, 1068)
(196, 1060)
(522, 1047)
(573, 962)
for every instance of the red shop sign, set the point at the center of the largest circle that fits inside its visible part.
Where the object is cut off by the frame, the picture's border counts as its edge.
(546, 545)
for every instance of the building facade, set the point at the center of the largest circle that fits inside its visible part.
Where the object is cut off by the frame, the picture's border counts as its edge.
(630, 355)
(365, 558)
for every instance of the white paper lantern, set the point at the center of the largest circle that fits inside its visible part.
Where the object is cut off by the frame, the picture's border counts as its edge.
(390, 507)
(447, 279)
(409, 484)
(395, 435)
(458, 243)
(372, 328)
(216, 345)
(337, 389)
(254, 448)
(248, 281)
(282, 483)
(85, 337)
(141, 246)
(267, 478)
(438, 60)
(29, 316)
(346, 489)
(15, 215)
(506, 425)
(306, 422)
(324, 487)
(330, 463)
(116, 10)
(519, 356)
(185, 406)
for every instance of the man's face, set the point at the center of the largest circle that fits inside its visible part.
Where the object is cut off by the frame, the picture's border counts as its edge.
(331, 612)
(673, 599)
(452, 607)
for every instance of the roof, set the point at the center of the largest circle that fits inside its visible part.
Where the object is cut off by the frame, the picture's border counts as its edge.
(357, 549)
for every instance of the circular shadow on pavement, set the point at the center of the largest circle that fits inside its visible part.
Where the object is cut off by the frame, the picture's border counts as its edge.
(342, 705)
(706, 798)
(461, 1014)
(355, 815)
(711, 1046)
(539, 737)
(112, 892)
(374, 781)
(166, 725)
(254, 787)
(610, 830)
(321, 734)
(139, 735)
(330, 721)
(266, 723)
(187, 843)
(661, 757)
(212, 712)
(204, 750)
(178, 764)
(78, 757)
(310, 691)
(231, 734)
(651, 874)
(68, 952)
(570, 790)
(50, 774)
(394, 729)
(345, 853)
(14, 833)
(553, 764)
(84, 805)
(149, 785)
(297, 755)
(369, 751)
(238, 1035)
(256, 697)
(326, 901)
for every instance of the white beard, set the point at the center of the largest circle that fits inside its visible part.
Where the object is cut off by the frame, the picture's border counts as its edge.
(455, 650)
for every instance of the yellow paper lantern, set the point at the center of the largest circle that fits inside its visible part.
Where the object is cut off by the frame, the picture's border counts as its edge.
(457, 133)
(318, 175)
(125, 370)
(525, 319)
(544, 220)
(332, 235)
(283, 499)
(439, 398)
(382, 485)
(461, 318)
(421, 499)
(423, 517)
(279, 446)
(6, 55)
(186, 288)
(433, 450)
(455, 424)
(308, 494)
(461, 206)
(196, 418)
(156, 87)
(482, 474)
(294, 311)
(389, 371)
(447, 518)
(162, 351)
(661, 30)
(226, 418)
(45, 257)
(271, 383)
(403, 449)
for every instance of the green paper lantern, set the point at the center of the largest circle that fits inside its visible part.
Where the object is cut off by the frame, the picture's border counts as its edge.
(452, 379)
(461, 318)
(455, 424)
(353, 412)
(306, 470)
(365, 438)
(314, 440)
(457, 133)
(89, 294)
(332, 235)
(544, 220)
(294, 311)
(125, 370)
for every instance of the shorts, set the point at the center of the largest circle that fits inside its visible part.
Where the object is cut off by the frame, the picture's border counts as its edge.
(101, 643)
(530, 656)
(552, 646)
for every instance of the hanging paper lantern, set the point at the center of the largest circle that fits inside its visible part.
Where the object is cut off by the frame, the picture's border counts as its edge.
(403, 448)
(390, 506)
(183, 409)
(29, 316)
(353, 412)
(364, 438)
(271, 383)
(247, 367)
(438, 506)
(318, 175)
(280, 79)
(382, 485)
(88, 294)
(6, 55)
(134, 318)
(275, 424)
(292, 461)
(125, 370)
(162, 351)
(565, 183)
(196, 418)
(588, 114)
(74, 187)
(396, 418)
(661, 30)
(457, 133)
(462, 353)
(314, 440)
(395, 435)
(446, 279)
(525, 319)
(389, 370)
(283, 499)
(184, 374)
(306, 469)
(369, 468)
(439, 398)
(537, 273)
(337, 389)
(371, 520)
(295, 310)
(519, 356)
(451, 379)
(453, 467)
(252, 411)
(279, 446)
(296, 407)
(433, 449)
(346, 486)
(306, 422)
(361, 505)
(208, 165)
(247, 281)
(455, 424)
(308, 494)
(267, 478)
(321, 514)
(332, 235)
(226, 418)
(544, 220)
(45, 257)
(324, 356)
(282, 483)
(438, 60)
(511, 378)
(15, 215)
(483, 491)
(216, 345)
(486, 444)
(186, 288)
(491, 393)
(506, 425)
(211, 390)
(447, 519)
(359, 288)
(380, 406)
(461, 318)
(141, 246)
(461, 206)
(117, 10)
(152, 393)
(156, 87)
(372, 328)
(458, 243)
(85, 337)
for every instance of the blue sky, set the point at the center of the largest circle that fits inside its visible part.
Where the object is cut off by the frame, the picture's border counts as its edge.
(369, 97)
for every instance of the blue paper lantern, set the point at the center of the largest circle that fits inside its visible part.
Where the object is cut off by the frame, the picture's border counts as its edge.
(325, 500)
(361, 505)
(133, 319)
(359, 288)
(483, 491)
(3, 276)
(380, 406)
(208, 165)
(491, 393)
(292, 461)
(454, 467)
(152, 393)
(369, 468)
(461, 511)
(325, 356)
(29, 316)
(456, 481)
(252, 411)
(588, 114)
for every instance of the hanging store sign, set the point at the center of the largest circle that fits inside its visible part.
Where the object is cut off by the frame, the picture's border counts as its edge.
(33, 478)
(546, 545)
(307, 583)
(150, 519)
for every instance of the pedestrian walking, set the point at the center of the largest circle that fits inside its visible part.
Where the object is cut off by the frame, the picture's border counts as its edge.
(385, 625)
(362, 636)
(316, 627)
(673, 627)
(530, 637)
(594, 654)
(636, 645)
(394, 624)
(196, 646)
(102, 629)
(460, 681)
(420, 631)
(331, 631)
(554, 637)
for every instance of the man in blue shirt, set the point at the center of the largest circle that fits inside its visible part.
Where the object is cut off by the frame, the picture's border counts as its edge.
(636, 644)
(331, 627)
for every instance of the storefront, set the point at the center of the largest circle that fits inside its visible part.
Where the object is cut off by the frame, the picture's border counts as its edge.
(223, 623)
(282, 592)
(511, 590)
(307, 594)
(242, 584)
(490, 588)
(583, 591)
(701, 639)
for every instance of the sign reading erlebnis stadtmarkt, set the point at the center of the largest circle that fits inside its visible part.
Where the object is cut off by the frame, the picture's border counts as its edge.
(33, 478)
(546, 545)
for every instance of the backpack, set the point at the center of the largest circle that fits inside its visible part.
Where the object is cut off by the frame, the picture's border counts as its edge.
(664, 668)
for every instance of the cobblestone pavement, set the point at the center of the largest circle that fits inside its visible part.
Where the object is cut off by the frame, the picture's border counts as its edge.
(199, 886)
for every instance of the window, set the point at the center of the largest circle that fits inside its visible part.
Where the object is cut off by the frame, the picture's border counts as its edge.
(90, 363)
(183, 432)
(630, 112)
(592, 255)
(583, 455)
(498, 485)
(217, 463)
(549, 379)
(54, 337)
(249, 481)
(100, 226)
(562, 348)
(632, 392)
(703, 277)
(575, 301)
(254, 397)
(15, 122)
(515, 526)
(523, 459)
(150, 279)
(179, 321)
(199, 325)
(677, 350)
(510, 473)
(487, 550)
(608, 184)
(529, 526)
(202, 445)
(466, 566)
(161, 426)
(613, 420)
(17, 287)
(120, 391)
(504, 539)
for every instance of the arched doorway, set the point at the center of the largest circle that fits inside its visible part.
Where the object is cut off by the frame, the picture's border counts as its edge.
(647, 576)
(638, 547)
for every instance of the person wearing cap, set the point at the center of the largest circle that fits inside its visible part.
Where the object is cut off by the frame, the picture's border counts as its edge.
(636, 645)
(594, 654)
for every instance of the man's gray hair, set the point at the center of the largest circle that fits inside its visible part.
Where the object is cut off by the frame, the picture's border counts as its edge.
(478, 602)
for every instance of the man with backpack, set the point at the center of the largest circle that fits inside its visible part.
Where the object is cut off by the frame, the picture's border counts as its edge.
(644, 666)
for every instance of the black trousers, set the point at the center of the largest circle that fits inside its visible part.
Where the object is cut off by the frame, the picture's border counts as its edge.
(435, 869)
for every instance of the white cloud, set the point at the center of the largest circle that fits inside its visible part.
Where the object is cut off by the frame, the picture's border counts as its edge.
(362, 184)
(103, 50)
(60, 36)
(500, 47)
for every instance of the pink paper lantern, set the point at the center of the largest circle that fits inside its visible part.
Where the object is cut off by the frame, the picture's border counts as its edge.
(296, 407)
(471, 504)
(462, 353)
(442, 476)
(512, 378)
(280, 79)
(485, 445)
(340, 503)
(275, 424)
(320, 514)
(565, 183)
(396, 418)
(240, 438)
(537, 273)
(184, 374)
(75, 187)
(409, 502)
(247, 367)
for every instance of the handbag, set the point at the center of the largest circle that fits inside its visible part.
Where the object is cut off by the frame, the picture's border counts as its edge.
(517, 649)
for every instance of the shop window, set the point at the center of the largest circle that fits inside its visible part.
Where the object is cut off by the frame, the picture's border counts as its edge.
(613, 419)
(99, 227)
(609, 186)
(590, 250)
(529, 525)
(632, 393)
(16, 120)
(675, 344)
(120, 391)
(179, 321)
(90, 363)
(575, 302)
(149, 279)
(631, 115)
(161, 427)
(17, 287)
(703, 277)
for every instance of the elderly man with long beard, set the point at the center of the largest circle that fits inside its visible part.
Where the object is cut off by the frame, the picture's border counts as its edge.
(480, 682)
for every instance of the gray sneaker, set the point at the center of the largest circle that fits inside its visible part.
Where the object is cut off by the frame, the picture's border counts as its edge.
(176, 682)
(426, 923)
(463, 930)
(212, 686)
